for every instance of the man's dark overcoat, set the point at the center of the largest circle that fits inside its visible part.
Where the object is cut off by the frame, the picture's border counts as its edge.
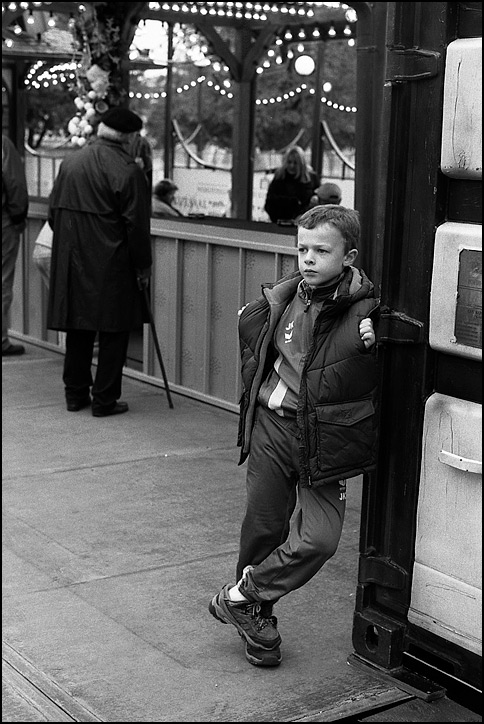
(99, 210)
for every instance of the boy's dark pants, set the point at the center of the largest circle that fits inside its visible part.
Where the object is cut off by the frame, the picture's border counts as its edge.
(113, 347)
(286, 556)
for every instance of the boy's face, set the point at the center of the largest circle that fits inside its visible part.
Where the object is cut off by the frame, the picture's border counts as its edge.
(321, 253)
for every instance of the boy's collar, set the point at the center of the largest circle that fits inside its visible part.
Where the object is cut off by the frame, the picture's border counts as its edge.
(324, 291)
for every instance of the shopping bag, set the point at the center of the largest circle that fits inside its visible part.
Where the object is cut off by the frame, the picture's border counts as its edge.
(45, 236)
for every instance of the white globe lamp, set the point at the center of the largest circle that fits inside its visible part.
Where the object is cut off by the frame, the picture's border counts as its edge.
(304, 65)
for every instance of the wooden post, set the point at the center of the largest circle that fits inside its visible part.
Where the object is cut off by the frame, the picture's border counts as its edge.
(317, 138)
(243, 137)
(168, 155)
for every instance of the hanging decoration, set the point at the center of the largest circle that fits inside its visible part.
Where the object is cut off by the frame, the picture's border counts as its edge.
(98, 79)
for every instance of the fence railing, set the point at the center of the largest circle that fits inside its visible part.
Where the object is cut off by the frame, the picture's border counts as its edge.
(203, 187)
(203, 273)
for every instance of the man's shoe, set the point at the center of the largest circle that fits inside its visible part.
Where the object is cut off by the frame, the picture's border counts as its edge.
(262, 657)
(257, 631)
(76, 405)
(13, 349)
(118, 409)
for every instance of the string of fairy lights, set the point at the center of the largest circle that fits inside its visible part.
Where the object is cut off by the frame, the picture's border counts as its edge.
(42, 75)
(240, 10)
(237, 10)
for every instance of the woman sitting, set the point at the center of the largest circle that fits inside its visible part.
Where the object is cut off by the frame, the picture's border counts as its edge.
(292, 187)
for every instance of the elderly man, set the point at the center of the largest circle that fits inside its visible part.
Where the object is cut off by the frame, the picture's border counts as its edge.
(99, 210)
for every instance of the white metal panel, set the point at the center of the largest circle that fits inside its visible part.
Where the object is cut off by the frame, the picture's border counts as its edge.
(456, 293)
(448, 609)
(447, 577)
(461, 155)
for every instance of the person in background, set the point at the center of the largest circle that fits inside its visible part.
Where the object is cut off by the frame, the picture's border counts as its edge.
(290, 191)
(140, 148)
(307, 422)
(327, 193)
(163, 198)
(15, 204)
(99, 210)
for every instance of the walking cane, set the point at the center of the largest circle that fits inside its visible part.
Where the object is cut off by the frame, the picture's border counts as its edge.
(157, 345)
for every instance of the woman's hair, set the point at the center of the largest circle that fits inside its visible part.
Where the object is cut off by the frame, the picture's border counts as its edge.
(347, 221)
(304, 169)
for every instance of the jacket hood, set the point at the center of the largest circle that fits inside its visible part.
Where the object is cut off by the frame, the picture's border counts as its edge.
(353, 287)
(356, 284)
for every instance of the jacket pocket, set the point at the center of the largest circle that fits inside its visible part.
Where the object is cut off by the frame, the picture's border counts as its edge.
(346, 434)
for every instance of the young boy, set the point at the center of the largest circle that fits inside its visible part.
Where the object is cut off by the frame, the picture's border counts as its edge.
(307, 419)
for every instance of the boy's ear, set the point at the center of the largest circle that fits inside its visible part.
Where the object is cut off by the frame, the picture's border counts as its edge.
(350, 257)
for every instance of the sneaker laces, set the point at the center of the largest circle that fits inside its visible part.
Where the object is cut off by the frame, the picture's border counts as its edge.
(254, 609)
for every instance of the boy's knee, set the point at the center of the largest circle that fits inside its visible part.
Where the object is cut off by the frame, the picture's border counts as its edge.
(322, 545)
(328, 547)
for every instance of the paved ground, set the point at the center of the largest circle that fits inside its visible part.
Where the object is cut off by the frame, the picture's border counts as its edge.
(117, 532)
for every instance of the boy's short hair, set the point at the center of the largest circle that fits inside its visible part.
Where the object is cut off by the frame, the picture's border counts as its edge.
(347, 221)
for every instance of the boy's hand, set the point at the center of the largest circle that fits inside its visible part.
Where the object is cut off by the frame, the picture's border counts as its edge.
(367, 333)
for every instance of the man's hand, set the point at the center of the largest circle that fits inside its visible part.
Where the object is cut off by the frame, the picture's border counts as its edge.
(367, 333)
(143, 277)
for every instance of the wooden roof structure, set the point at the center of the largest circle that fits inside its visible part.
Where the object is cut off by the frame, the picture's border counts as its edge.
(254, 27)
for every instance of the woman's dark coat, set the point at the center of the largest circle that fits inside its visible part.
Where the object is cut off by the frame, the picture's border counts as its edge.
(99, 210)
(336, 413)
(288, 198)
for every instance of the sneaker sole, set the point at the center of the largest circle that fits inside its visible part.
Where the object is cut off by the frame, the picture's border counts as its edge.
(213, 611)
(217, 612)
(262, 657)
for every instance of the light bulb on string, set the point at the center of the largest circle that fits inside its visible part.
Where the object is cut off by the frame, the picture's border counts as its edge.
(351, 15)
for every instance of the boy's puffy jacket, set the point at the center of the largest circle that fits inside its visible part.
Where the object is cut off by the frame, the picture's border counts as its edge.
(336, 412)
